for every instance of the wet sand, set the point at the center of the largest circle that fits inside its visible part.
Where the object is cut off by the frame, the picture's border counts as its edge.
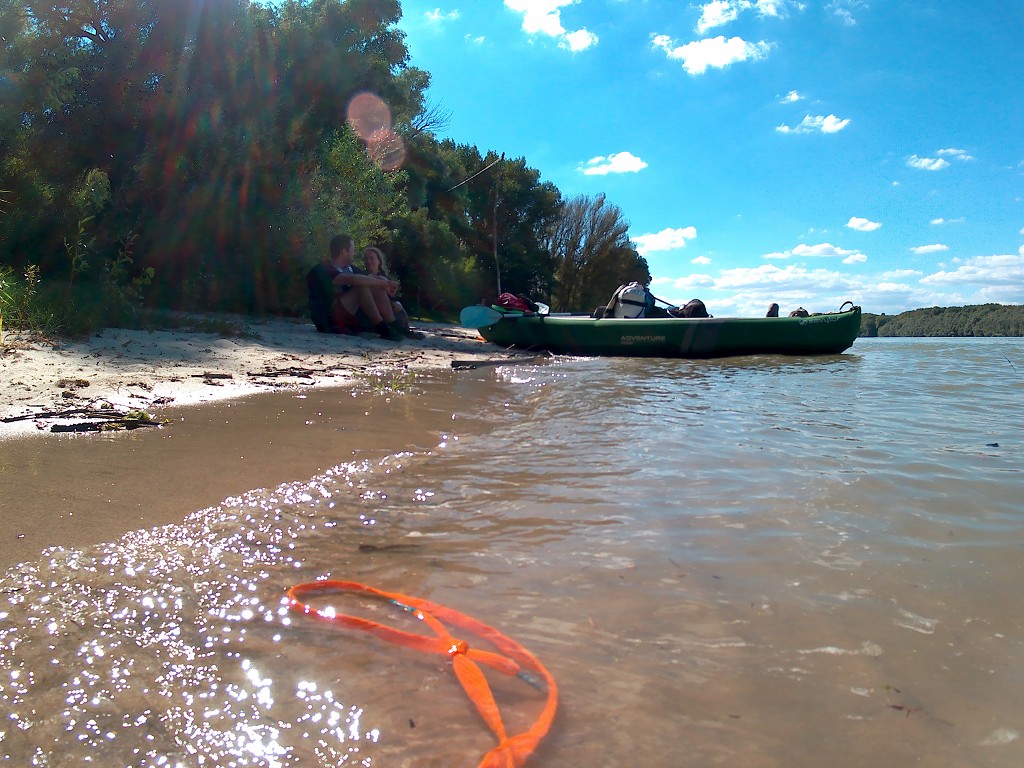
(82, 490)
(226, 433)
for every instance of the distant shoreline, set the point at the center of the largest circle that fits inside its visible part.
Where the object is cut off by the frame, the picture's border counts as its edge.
(978, 320)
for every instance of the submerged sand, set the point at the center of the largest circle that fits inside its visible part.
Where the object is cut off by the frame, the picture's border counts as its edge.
(78, 486)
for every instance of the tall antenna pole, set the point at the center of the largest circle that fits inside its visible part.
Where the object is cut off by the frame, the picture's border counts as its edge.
(494, 221)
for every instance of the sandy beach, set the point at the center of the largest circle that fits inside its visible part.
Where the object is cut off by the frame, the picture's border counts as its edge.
(50, 387)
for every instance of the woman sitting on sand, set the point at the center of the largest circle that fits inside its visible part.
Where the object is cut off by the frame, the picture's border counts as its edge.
(373, 263)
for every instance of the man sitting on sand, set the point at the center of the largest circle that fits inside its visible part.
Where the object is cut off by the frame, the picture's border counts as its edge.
(343, 300)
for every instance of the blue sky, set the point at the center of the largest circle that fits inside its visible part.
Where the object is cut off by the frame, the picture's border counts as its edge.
(762, 150)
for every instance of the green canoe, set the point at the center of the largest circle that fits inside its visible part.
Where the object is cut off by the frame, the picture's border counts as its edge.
(820, 334)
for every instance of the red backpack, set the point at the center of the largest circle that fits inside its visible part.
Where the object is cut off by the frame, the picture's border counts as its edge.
(511, 301)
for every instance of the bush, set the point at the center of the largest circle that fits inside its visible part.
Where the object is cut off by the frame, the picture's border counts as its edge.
(25, 306)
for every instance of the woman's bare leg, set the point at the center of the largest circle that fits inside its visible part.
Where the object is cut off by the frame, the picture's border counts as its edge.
(357, 298)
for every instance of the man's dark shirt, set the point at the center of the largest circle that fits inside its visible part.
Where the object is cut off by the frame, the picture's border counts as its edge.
(321, 289)
(320, 286)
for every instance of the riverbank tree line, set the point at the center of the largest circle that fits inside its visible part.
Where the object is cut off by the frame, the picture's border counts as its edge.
(974, 320)
(199, 155)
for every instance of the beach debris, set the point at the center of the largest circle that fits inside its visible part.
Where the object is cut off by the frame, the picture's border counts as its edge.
(70, 387)
(73, 383)
(98, 419)
(299, 373)
(389, 547)
(908, 709)
(113, 421)
(210, 377)
(905, 709)
(464, 365)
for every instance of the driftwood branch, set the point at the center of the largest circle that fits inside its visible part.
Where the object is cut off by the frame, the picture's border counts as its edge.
(209, 375)
(59, 414)
(124, 422)
(100, 419)
(464, 365)
(302, 373)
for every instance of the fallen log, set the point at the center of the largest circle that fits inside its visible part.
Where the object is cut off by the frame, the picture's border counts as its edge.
(462, 365)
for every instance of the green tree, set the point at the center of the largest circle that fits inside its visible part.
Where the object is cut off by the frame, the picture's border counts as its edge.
(594, 254)
(223, 128)
(431, 254)
(204, 115)
(527, 213)
(468, 207)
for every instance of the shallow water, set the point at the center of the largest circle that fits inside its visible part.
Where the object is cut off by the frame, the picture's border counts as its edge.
(748, 562)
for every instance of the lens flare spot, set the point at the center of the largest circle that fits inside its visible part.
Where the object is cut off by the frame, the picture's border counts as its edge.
(370, 118)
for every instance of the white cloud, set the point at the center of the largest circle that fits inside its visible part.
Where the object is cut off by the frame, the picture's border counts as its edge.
(846, 16)
(933, 248)
(952, 221)
(1021, 231)
(544, 17)
(844, 10)
(578, 41)
(927, 163)
(938, 163)
(692, 280)
(821, 250)
(772, 7)
(540, 16)
(862, 225)
(791, 97)
(716, 52)
(899, 274)
(1004, 270)
(820, 123)
(701, 261)
(437, 15)
(777, 277)
(824, 285)
(618, 162)
(716, 14)
(959, 154)
(478, 40)
(666, 240)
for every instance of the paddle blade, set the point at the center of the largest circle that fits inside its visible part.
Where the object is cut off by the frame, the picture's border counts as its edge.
(478, 316)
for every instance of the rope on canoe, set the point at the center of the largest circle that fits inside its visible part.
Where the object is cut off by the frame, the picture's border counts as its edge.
(513, 659)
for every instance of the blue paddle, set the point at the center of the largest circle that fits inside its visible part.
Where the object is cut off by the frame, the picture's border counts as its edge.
(479, 316)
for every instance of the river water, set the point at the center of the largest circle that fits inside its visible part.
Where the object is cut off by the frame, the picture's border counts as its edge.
(750, 562)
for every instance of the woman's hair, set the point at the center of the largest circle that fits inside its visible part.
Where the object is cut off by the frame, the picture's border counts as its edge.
(380, 258)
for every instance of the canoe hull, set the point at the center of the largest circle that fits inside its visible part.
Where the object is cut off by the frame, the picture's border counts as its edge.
(824, 334)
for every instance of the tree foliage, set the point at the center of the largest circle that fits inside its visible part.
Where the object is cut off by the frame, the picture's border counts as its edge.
(975, 320)
(200, 154)
(593, 253)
